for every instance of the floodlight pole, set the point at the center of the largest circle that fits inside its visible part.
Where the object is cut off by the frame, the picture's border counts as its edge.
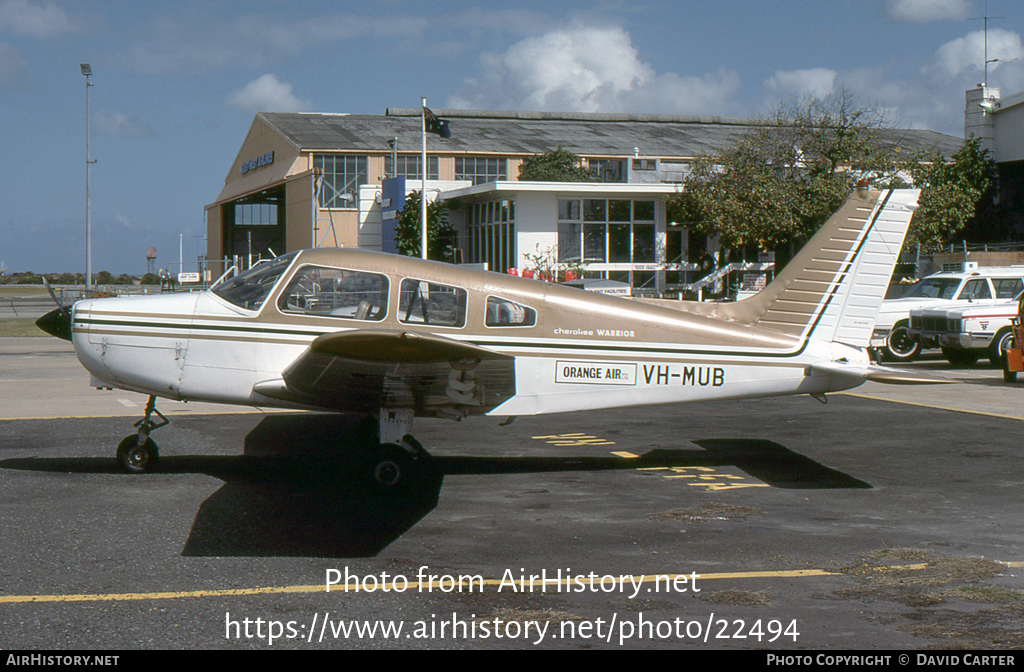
(423, 190)
(87, 71)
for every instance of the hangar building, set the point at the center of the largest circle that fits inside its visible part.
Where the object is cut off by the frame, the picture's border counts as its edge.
(313, 180)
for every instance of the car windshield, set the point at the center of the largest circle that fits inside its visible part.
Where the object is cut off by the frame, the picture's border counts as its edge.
(934, 288)
(251, 288)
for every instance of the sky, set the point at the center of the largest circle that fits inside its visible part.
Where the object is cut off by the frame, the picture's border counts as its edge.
(175, 85)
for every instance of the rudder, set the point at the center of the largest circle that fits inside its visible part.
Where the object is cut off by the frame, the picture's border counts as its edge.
(833, 287)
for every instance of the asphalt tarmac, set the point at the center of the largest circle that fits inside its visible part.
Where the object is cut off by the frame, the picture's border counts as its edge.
(885, 520)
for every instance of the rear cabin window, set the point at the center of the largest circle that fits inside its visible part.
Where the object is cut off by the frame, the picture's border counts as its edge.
(504, 313)
(336, 292)
(422, 302)
(1007, 288)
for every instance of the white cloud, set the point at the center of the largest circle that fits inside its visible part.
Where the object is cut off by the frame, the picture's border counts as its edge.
(923, 11)
(267, 94)
(114, 123)
(590, 69)
(28, 18)
(814, 82)
(964, 53)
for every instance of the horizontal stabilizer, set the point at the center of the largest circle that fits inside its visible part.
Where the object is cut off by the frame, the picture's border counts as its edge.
(878, 374)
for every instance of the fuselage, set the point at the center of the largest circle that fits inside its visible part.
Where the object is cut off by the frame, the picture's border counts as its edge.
(573, 350)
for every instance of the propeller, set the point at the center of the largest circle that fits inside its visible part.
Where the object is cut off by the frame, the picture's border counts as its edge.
(56, 322)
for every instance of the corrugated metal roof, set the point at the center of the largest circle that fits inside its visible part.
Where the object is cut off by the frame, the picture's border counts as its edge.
(526, 133)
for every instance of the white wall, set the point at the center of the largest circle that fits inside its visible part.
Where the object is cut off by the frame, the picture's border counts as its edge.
(536, 224)
(369, 208)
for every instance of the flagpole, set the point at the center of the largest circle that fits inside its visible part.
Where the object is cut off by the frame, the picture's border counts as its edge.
(423, 190)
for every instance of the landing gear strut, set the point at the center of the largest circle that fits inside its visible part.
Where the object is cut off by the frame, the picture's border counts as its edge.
(395, 458)
(137, 453)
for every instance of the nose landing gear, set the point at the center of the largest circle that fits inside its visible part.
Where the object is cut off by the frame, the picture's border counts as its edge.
(137, 453)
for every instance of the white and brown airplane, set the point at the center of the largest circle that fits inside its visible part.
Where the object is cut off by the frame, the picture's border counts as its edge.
(393, 338)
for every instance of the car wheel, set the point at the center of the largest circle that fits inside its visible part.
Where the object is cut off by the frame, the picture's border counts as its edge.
(1000, 344)
(960, 357)
(900, 346)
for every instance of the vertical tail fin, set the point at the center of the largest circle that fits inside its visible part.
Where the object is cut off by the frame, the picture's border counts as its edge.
(834, 286)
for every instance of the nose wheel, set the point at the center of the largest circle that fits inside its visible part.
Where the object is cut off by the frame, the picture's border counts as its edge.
(137, 458)
(137, 453)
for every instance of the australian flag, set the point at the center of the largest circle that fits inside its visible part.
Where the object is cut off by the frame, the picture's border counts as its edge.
(435, 124)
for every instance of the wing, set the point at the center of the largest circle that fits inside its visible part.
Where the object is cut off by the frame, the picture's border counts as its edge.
(366, 370)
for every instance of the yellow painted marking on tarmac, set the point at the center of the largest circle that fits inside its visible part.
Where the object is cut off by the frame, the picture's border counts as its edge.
(706, 477)
(933, 406)
(574, 439)
(427, 586)
(625, 453)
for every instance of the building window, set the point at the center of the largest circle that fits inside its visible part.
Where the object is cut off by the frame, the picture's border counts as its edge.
(480, 169)
(255, 214)
(607, 231)
(342, 175)
(409, 166)
(491, 234)
(609, 170)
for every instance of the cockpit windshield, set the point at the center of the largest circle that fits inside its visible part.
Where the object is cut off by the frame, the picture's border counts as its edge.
(251, 288)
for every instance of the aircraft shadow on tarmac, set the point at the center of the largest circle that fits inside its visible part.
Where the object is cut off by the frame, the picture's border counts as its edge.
(298, 489)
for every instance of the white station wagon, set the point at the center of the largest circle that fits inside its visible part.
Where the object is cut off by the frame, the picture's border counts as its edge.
(940, 291)
(966, 333)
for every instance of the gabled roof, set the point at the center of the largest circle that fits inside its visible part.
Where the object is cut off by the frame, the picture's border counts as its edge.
(527, 133)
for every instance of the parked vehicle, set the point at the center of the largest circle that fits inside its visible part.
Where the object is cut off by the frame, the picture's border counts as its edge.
(1014, 362)
(967, 333)
(942, 290)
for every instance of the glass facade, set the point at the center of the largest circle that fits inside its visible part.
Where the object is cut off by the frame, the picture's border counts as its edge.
(491, 234)
(609, 231)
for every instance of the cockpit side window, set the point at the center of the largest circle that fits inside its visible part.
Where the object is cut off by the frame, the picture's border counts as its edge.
(336, 292)
(251, 288)
(504, 313)
(422, 302)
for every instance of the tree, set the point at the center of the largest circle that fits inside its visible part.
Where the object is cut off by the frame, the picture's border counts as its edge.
(782, 181)
(409, 232)
(956, 196)
(558, 165)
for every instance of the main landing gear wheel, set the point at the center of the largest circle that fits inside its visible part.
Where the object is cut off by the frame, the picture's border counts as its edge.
(396, 466)
(136, 458)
